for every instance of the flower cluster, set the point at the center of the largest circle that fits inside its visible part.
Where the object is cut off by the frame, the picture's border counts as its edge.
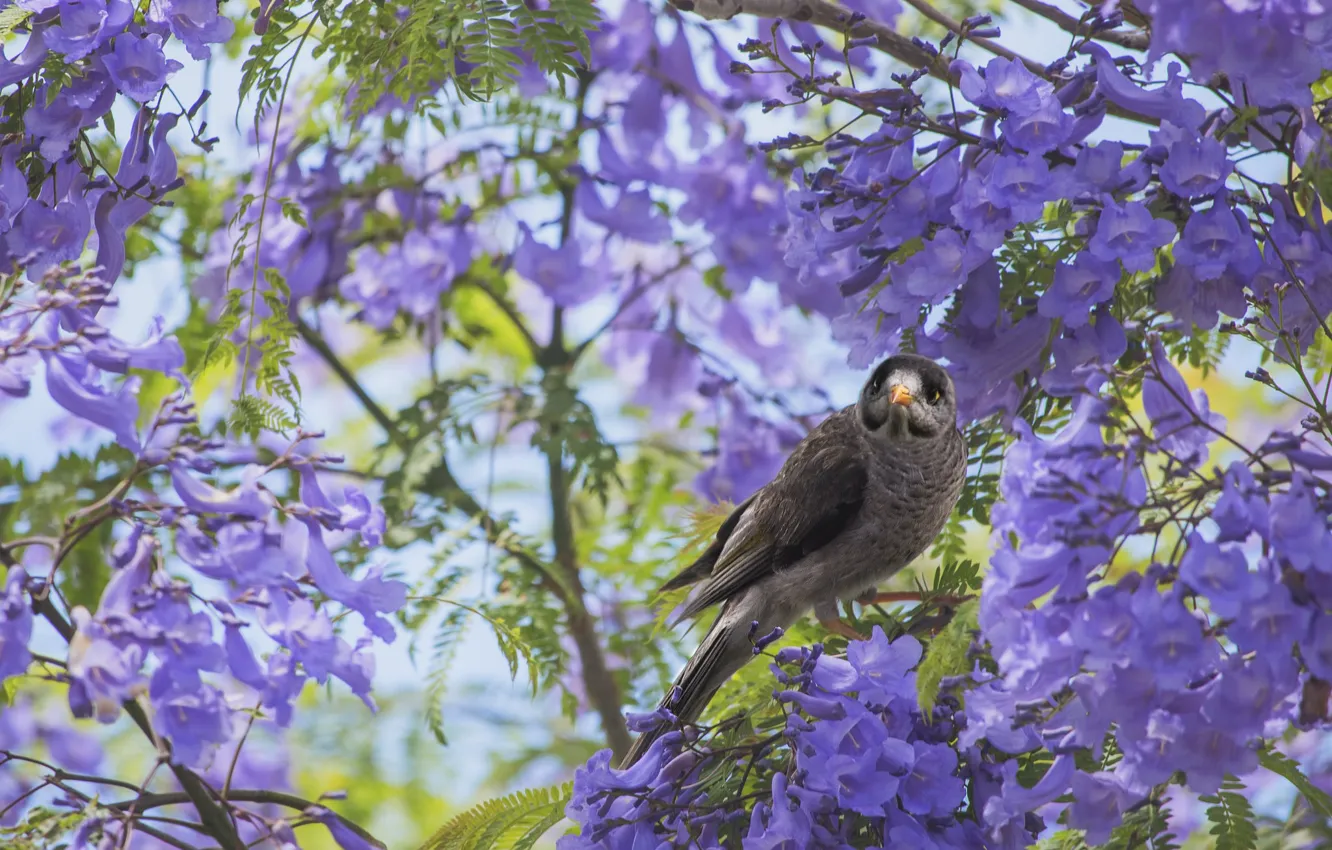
(198, 580)
(858, 756)
(1008, 236)
(79, 55)
(1189, 666)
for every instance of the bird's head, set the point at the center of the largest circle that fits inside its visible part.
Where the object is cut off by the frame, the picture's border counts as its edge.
(908, 397)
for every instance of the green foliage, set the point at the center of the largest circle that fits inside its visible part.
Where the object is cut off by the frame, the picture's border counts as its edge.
(1289, 769)
(271, 58)
(49, 506)
(411, 58)
(42, 828)
(11, 19)
(444, 648)
(518, 653)
(514, 822)
(947, 654)
(567, 426)
(1231, 817)
(1145, 827)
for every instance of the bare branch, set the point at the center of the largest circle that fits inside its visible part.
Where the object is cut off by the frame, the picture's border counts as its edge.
(1137, 40)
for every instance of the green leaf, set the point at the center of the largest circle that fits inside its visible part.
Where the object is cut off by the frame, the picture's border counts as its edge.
(1231, 817)
(443, 650)
(947, 654)
(514, 822)
(1289, 769)
(11, 19)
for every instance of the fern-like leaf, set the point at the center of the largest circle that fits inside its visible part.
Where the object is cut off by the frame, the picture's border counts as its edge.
(514, 822)
(1289, 769)
(444, 648)
(1231, 817)
(947, 654)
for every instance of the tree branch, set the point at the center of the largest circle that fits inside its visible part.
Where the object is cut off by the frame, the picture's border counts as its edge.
(597, 677)
(555, 361)
(321, 347)
(825, 13)
(277, 798)
(955, 27)
(1073, 26)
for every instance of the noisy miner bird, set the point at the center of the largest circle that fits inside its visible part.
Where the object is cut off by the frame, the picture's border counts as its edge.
(860, 497)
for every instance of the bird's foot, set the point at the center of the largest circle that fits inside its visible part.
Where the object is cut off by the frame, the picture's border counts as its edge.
(840, 627)
(875, 598)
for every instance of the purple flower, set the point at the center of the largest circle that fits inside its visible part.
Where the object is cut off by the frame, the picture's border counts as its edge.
(369, 596)
(1040, 131)
(75, 385)
(1005, 84)
(1080, 353)
(139, 67)
(103, 674)
(1099, 803)
(346, 838)
(751, 451)
(1182, 422)
(1242, 508)
(1100, 167)
(87, 24)
(673, 373)
(932, 788)
(1271, 622)
(13, 187)
(1171, 642)
(1196, 166)
(1216, 238)
(1023, 183)
(196, 23)
(981, 209)
(558, 272)
(115, 214)
(1297, 529)
(195, 718)
(1249, 692)
(52, 236)
(780, 827)
(1221, 573)
(1128, 233)
(1077, 287)
(26, 63)
(1200, 302)
(933, 272)
(633, 216)
(15, 625)
(883, 667)
(1166, 102)
(246, 500)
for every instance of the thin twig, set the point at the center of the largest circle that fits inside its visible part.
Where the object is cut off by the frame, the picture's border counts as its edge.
(1071, 25)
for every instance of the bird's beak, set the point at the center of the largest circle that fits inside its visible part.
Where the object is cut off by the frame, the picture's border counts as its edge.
(898, 394)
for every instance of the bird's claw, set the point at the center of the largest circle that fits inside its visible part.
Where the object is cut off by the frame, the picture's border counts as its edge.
(840, 627)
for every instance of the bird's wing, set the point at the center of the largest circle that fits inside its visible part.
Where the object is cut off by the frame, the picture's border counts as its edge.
(816, 495)
(702, 567)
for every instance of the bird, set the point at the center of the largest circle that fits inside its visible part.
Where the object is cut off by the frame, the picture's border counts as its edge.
(860, 497)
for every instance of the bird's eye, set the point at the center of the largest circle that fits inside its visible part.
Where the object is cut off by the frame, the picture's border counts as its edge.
(934, 397)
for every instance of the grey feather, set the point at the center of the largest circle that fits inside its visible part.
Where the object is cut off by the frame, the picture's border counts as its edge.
(861, 497)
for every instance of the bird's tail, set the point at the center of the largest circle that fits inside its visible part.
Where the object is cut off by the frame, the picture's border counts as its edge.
(724, 650)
